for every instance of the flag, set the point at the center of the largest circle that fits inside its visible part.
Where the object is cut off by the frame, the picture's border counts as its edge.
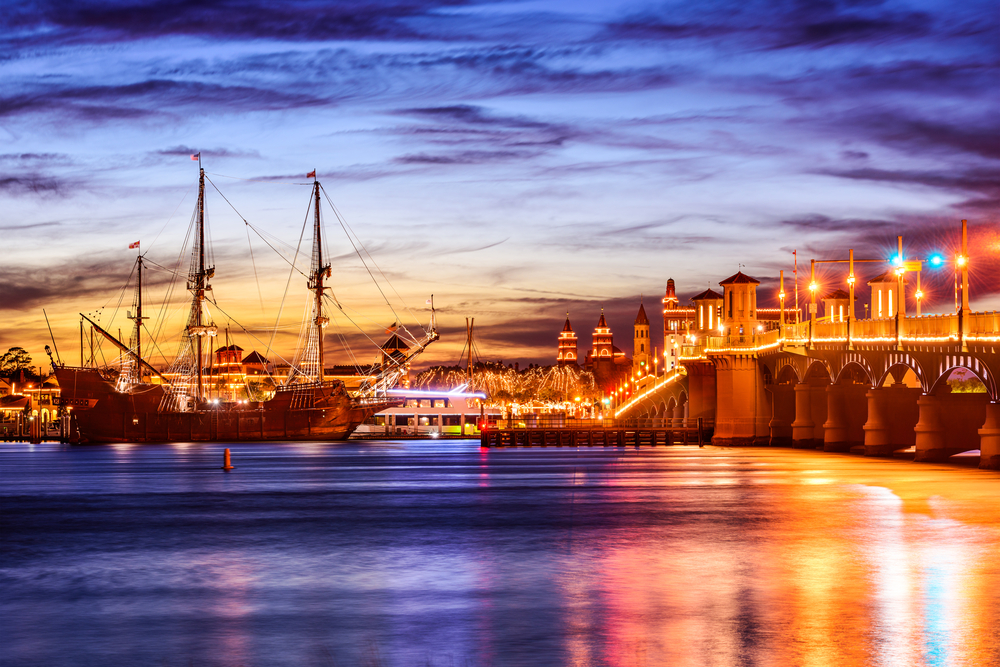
(311, 174)
(391, 328)
(133, 246)
(196, 156)
(428, 302)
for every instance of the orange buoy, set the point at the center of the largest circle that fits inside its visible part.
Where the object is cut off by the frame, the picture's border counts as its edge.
(226, 463)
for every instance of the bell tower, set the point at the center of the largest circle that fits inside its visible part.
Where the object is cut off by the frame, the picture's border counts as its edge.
(642, 353)
(567, 345)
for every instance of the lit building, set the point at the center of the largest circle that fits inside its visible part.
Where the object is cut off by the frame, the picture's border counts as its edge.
(567, 353)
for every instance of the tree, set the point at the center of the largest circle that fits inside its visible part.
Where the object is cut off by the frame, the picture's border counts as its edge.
(13, 361)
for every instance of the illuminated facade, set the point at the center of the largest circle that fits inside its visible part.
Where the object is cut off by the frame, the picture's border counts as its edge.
(677, 322)
(567, 353)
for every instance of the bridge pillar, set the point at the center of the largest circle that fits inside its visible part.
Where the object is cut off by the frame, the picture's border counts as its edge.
(835, 429)
(803, 428)
(878, 440)
(989, 438)
(930, 441)
(678, 416)
(782, 415)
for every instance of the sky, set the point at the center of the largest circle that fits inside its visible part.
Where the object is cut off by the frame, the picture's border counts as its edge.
(517, 160)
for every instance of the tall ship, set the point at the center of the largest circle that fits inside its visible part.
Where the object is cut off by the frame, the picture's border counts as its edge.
(135, 402)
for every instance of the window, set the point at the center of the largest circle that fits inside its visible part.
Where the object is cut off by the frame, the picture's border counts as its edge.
(642, 347)
(880, 304)
(891, 311)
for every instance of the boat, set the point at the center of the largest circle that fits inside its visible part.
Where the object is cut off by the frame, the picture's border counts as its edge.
(139, 404)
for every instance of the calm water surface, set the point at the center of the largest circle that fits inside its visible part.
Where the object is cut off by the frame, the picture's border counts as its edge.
(439, 553)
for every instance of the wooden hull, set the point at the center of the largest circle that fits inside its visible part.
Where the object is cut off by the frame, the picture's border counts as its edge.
(321, 413)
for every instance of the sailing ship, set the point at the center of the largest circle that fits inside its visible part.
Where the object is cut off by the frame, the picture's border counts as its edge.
(129, 406)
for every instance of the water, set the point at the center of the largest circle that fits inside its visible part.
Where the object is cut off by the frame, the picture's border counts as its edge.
(439, 553)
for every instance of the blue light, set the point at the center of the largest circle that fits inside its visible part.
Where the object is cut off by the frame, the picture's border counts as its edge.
(936, 260)
(896, 260)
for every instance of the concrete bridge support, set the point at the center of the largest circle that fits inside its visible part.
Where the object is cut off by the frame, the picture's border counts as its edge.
(989, 438)
(803, 428)
(929, 431)
(836, 436)
(878, 441)
(782, 414)
(892, 416)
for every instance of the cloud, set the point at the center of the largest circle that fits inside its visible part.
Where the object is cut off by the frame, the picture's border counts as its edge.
(985, 181)
(35, 184)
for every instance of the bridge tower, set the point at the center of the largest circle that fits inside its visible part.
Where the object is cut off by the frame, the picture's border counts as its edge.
(567, 353)
(742, 410)
(642, 354)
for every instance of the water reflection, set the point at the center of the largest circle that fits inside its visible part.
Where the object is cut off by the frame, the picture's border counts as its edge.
(404, 553)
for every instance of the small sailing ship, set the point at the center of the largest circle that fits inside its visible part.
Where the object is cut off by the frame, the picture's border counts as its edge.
(141, 404)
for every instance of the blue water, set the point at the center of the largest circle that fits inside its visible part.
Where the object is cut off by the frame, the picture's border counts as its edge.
(439, 553)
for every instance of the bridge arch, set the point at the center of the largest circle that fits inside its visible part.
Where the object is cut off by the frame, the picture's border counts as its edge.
(971, 364)
(897, 360)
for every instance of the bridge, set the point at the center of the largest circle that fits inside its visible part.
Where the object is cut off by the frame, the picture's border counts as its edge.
(874, 385)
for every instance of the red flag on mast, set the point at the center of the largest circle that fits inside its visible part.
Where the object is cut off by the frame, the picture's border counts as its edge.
(133, 246)
(311, 174)
(196, 156)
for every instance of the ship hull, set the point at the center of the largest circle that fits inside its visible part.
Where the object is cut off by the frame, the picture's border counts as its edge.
(100, 413)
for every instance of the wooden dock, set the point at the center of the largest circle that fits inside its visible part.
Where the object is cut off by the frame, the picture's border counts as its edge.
(594, 436)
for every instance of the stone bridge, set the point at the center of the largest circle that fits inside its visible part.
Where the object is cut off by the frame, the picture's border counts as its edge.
(876, 386)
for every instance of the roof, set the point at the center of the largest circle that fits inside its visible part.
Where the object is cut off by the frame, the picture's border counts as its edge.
(229, 348)
(255, 358)
(839, 294)
(706, 295)
(567, 327)
(641, 317)
(887, 277)
(395, 343)
(740, 278)
(601, 322)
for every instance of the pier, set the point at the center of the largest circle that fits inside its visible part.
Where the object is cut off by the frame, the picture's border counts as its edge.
(596, 433)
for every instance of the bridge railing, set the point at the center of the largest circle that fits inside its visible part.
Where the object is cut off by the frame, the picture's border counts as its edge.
(885, 328)
(827, 330)
(932, 326)
(743, 341)
(984, 324)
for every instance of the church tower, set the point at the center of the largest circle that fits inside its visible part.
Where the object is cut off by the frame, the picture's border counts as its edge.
(567, 345)
(604, 347)
(642, 353)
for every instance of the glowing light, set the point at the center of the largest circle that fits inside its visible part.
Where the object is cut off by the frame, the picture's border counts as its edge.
(961, 260)
(896, 260)
(920, 294)
(760, 327)
(936, 260)
(850, 279)
(781, 295)
(813, 287)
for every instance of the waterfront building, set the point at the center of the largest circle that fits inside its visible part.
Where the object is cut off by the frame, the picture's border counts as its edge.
(677, 322)
(567, 353)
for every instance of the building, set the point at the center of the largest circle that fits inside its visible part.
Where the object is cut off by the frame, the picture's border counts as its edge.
(677, 323)
(608, 364)
(643, 352)
(567, 353)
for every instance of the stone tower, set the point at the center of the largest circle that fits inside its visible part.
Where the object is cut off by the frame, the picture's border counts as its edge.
(642, 352)
(567, 345)
(739, 308)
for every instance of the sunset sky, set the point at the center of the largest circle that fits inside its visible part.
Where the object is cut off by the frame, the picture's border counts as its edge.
(518, 160)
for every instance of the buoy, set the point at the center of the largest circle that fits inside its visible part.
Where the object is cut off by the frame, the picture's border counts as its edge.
(226, 463)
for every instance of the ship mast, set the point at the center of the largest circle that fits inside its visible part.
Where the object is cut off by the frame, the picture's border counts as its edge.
(198, 277)
(317, 272)
(138, 318)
